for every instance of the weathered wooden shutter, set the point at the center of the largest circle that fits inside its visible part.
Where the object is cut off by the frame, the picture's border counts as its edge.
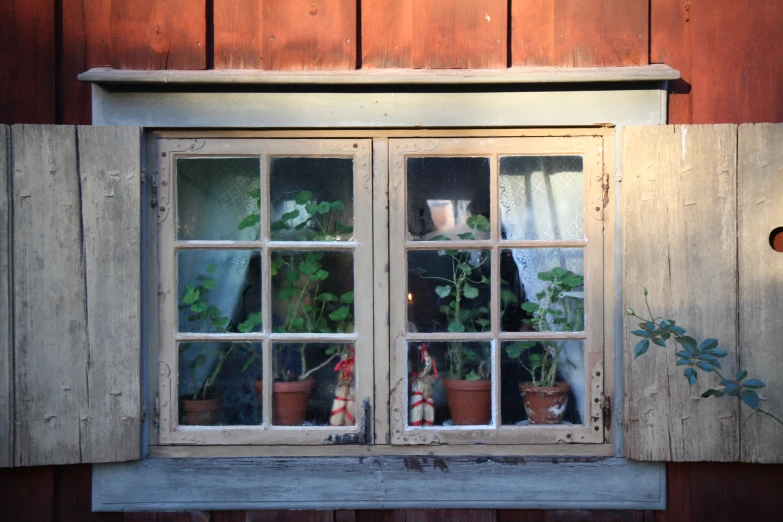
(699, 203)
(70, 261)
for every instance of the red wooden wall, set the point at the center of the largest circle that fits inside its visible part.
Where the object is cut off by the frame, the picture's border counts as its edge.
(729, 53)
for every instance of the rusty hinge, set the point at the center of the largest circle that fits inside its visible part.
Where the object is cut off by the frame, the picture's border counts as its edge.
(605, 187)
(607, 413)
(143, 412)
(156, 418)
(365, 429)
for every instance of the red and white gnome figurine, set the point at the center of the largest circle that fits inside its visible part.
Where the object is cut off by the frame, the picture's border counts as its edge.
(343, 405)
(422, 406)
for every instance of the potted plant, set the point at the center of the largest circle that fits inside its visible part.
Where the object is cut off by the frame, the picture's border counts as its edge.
(305, 306)
(559, 308)
(201, 406)
(468, 386)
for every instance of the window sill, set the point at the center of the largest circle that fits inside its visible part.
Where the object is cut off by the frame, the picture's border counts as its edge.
(378, 482)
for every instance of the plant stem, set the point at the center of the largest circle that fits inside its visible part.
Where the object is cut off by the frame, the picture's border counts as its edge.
(327, 361)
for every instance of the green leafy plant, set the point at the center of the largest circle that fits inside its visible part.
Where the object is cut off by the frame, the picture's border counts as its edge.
(313, 220)
(465, 361)
(196, 300)
(704, 356)
(560, 304)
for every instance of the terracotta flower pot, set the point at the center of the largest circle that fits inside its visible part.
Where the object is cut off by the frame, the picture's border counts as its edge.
(469, 401)
(200, 413)
(289, 401)
(545, 404)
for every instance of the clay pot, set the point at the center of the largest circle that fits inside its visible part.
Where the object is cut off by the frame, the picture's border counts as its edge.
(200, 413)
(469, 401)
(545, 404)
(289, 401)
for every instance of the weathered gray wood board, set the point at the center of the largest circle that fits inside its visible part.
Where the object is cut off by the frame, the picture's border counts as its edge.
(377, 482)
(6, 366)
(110, 167)
(679, 241)
(761, 283)
(75, 394)
(50, 316)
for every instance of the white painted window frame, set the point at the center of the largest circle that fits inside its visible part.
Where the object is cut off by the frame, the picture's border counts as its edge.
(603, 482)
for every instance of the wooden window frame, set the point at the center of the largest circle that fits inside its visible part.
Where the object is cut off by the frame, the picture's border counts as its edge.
(591, 149)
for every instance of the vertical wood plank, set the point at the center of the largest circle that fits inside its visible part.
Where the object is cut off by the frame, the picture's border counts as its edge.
(110, 171)
(239, 38)
(386, 33)
(85, 44)
(27, 494)
(579, 33)
(73, 496)
(6, 360)
(460, 34)
(290, 516)
(760, 175)
(310, 35)
(158, 34)
(50, 319)
(27, 52)
(671, 37)
(679, 240)
(381, 345)
(452, 515)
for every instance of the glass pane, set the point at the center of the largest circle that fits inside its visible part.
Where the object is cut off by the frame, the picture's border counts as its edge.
(312, 292)
(314, 384)
(449, 384)
(448, 291)
(542, 289)
(448, 198)
(542, 382)
(542, 197)
(218, 198)
(312, 199)
(216, 383)
(219, 291)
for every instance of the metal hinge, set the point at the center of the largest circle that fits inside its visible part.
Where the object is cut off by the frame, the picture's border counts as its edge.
(365, 429)
(605, 187)
(143, 412)
(156, 418)
(607, 413)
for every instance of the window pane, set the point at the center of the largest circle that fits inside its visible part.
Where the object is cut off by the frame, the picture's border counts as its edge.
(219, 291)
(448, 197)
(448, 291)
(312, 292)
(542, 289)
(449, 384)
(314, 384)
(216, 383)
(312, 199)
(549, 375)
(218, 198)
(542, 197)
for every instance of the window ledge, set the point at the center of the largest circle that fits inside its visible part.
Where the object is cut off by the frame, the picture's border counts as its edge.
(514, 75)
(163, 484)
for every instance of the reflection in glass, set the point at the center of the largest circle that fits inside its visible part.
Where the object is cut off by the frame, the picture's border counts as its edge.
(448, 291)
(218, 198)
(219, 291)
(312, 291)
(314, 384)
(449, 383)
(542, 289)
(312, 199)
(542, 197)
(448, 198)
(550, 376)
(216, 383)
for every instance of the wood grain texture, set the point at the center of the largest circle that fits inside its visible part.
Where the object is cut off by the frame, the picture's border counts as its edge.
(72, 496)
(110, 172)
(6, 322)
(50, 316)
(158, 34)
(679, 240)
(27, 52)
(671, 33)
(760, 190)
(239, 37)
(85, 44)
(387, 33)
(27, 494)
(310, 35)
(579, 33)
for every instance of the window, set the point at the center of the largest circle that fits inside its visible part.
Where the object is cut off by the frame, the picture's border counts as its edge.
(274, 292)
